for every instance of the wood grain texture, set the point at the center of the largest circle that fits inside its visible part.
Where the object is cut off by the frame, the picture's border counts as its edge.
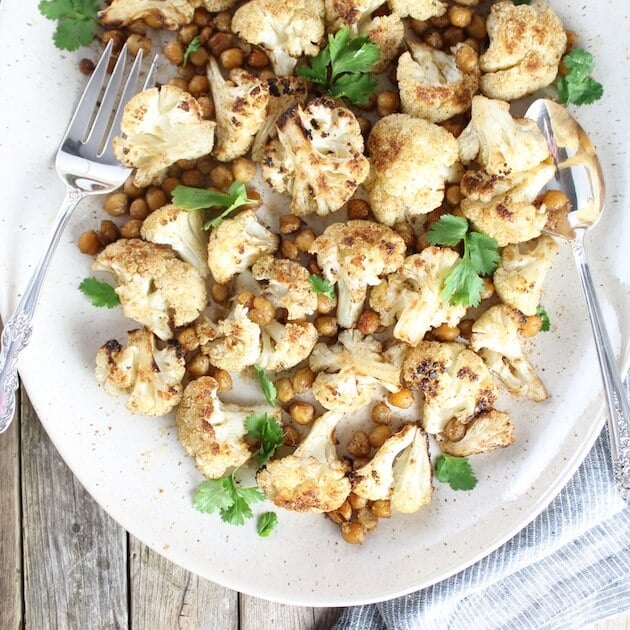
(163, 595)
(75, 555)
(259, 614)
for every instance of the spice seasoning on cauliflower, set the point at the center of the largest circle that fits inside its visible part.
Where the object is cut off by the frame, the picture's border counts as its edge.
(171, 13)
(284, 346)
(418, 9)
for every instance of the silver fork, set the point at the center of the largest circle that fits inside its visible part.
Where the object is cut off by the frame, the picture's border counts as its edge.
(87, 165)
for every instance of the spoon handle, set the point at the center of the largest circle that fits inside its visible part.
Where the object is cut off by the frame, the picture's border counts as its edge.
(619, 410)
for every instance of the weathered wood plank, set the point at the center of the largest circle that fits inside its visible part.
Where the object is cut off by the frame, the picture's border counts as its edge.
(325, 617)
(75, 555)
(259, 614)
(165, 596)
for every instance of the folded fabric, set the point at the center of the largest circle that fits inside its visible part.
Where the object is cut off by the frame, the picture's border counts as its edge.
(568, 568)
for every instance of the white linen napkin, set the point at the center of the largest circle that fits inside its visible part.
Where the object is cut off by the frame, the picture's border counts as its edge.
(568, 568)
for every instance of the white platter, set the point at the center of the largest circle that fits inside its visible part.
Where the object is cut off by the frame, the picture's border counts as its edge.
(135, 468)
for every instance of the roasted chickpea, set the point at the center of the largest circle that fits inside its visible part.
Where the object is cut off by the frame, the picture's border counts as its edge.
(138, 209)
(168, 186)
(220, 42)
(359, 445)
(381, 413)
(193, 177)
(246, 298)
(187, 33)
(454, 195)
(301, 412)
(453, 35)
(174, 52)
(199, 366)
(444, 332)
(465, 328)
(488, 289)
(369, 322)
(289, 223)
(135, 42)
(131, 229)
(289, 249)
(467, 58)
(304, 239)
(199, 58)
(219, 292)
(108, 233)
(284, 390)
(555, 200)
(477, 27)
(224, 380)
(263, 312)
(292, 436)
(155, 198)
(387, 102)
(116, 204)
(221, 177)
(198, 85)
(454, 430)
(207, 111)
(89, 243)
(367, 518)
(460, 16)
(356, 502)
(382, 508)
(302, 380)
(325, 305)
(379, 434)
(406, 231)
(358, 209)
(403, 399)
(434, 39)
(232, 58)
(353, 533)
(257, 59)
(244, 170)
(326, 325)
(532, 326)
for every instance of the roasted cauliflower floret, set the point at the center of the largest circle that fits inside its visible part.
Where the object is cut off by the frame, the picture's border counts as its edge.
(411, 159)
(283, 93)
(214, 6)
(160, 127)
(418, 9)
(183, 231)
(431, 84)
(388, 33)
(286, 30)
(489, 430)
(284, 346)
(151, 377)
(400, 471)
(412, 297)
(213, 432)
(496, 337)
(351, 13)
(519, 278)
(171, 13)
(241, 108)
(354, 255)
(288, 285)
(155, 287)
(526, 44)
(236, 245)
(312, 479)
(454, 380)
(502, 145)
(236, 343)
(317, 158)
(350, 371)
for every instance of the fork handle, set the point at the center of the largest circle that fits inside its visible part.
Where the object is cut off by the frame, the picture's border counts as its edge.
(619, 410)
(19, 327)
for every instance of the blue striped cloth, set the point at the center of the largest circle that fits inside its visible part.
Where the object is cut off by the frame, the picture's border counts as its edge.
(568, 568)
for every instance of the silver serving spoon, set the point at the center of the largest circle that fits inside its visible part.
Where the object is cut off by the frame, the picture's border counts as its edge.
(579, 175)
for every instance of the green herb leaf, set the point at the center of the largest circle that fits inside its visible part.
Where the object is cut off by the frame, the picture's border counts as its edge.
(463, 285)
(343, 67)
(484, 252)
(268, 431)
(546, 322)
(322, 286)
(267, 386)
(76, 21)
(578, 87)
(194, 46)
(456, 471)
(266, 524)
(448, 230)
(99, 293)
(212, 495)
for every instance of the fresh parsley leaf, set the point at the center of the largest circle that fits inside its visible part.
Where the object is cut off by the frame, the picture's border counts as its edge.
(464, 284)
(266, 524)
(228, 498)
(76, 21)
(192, 199)
(267, 386)
(194, 46)
(268, 431)
(578, 87)
(456, 471)
(343, 67)
(322, 286)
(544, 317)
(99, 293)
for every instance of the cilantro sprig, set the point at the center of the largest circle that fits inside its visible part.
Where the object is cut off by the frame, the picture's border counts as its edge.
(464, 283)
(456, 471)
(267, 386)
(267, 522)
(194, 46)
(544, 318)
(268, 431)
(322, 286)
(226, 497)
(343, 67)
(99, 293)
(76, 21)
(578, 86)
(193, 199)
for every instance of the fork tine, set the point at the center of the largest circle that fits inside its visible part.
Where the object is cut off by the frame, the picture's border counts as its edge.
(128, 91)
(85, 108)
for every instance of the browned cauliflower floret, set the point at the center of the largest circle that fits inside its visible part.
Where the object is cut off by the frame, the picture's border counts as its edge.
(354, 256)
(411, 159)
(214, 6)
(412, 297)
(317, 158)
(151, 377)
(388, 33)
(171, 13)
(155, 287)
(241, 108)
(283, 93)
(285, 345)
(496, 337)
(418, 9)
(288, 285)
(526, 44)
(236, 245)
(160, 127)
(287, 30)
(489, 430)
(351, 13)
(351, 370)
(454, 380)
(313, 478)
(431, 84)
(519, 278)
(213, 432)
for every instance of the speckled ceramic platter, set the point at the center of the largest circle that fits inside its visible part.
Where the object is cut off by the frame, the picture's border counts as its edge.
(136, 469)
